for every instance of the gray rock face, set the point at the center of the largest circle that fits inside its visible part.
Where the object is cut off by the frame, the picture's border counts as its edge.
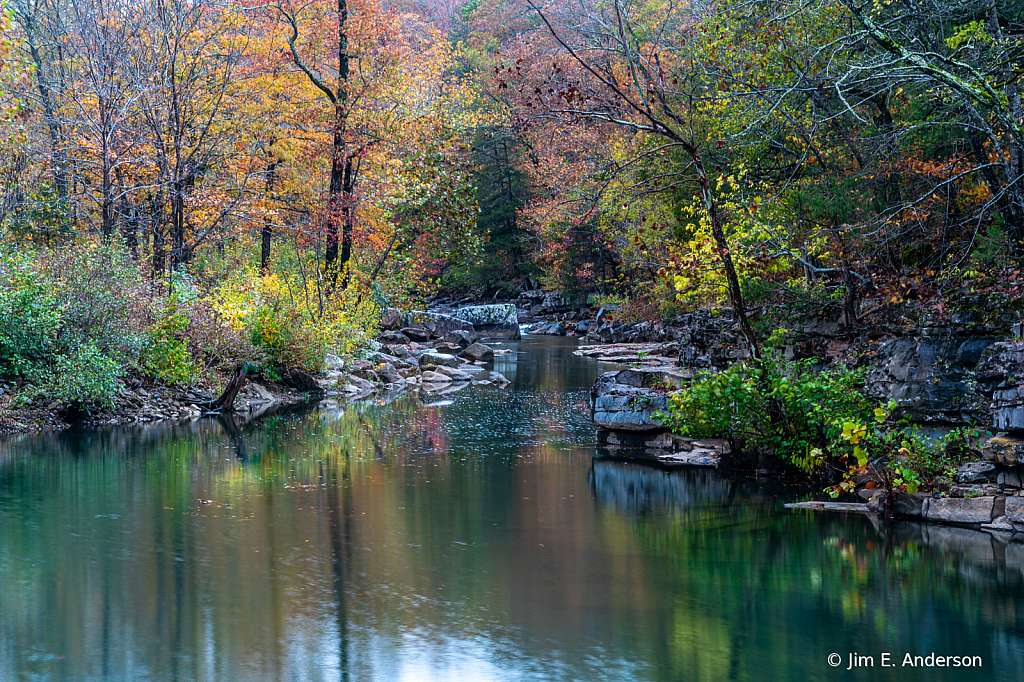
(959, 509)
(478, 351)
(429, 377)
(499, 321)
(904, 504)
(434, 360)
(930, 378)
(628, 399)
(1015, 509)
(418, 334)
(395, 337)
(453, 374)
(302, 381)
(1005, 450)
(360, 383)
(976, 472)
(460, 338)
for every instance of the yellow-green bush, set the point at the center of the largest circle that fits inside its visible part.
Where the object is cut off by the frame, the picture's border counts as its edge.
(291, 319)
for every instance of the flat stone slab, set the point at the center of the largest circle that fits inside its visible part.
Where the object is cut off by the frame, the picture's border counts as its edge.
(959, 509)
(846, 507)
(700, 458)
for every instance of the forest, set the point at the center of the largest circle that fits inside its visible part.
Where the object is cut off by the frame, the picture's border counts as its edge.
(190, 184)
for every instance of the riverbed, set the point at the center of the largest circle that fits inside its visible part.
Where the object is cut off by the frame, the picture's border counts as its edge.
(480, 535)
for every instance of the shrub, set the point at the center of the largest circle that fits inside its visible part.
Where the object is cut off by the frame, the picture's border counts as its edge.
(82, 377)
(290, 320)
(167, 356)
(29, 318)
(783, 408)
(102, 299)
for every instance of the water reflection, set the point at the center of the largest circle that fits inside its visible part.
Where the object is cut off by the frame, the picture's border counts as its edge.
(476, 540)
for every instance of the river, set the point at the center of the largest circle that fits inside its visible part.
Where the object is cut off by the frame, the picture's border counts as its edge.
(481, 535)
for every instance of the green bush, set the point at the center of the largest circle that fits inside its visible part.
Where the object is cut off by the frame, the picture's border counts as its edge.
(779, 407)
(167, 356)
(29, 319)
(83, 377)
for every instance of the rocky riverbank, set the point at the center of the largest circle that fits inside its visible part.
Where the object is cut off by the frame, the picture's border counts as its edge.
(448, 357)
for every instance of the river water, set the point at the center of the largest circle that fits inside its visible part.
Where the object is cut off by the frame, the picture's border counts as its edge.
(475, 536)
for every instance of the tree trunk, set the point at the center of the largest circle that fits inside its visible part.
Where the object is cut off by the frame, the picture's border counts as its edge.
(722, 244)
(268, 228)
(237, 383)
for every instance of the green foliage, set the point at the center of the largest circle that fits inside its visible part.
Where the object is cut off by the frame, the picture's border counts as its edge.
(167, 357)
(899, 454)
(782, 407)
(29, 318)
(84, 376)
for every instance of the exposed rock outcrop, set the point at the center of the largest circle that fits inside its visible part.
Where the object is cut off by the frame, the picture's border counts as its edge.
(499, 321)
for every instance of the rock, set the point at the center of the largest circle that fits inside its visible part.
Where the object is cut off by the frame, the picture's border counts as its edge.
(302, 381)
(368, 375)
(498, 378)
(389, 374)
(261, 390)
(555, 303)
(333, 363)
(434, 360)
(477, 351)
(904, 505)
(959, 510)
(1011, 477)
(438, 324)
(494, 321)
(460, 338)
(1015, 509)
(394, 338)
(453, 374)
(416, 334)
(976, 472)
(1005, 450)
(360, 384)
(429, 377)
(628, 399)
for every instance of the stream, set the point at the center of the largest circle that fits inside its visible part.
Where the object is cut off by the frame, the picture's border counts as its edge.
(479, 535)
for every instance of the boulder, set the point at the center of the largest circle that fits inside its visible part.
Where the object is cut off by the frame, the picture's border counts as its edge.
(394, 338)
(477, 351)
(419, 334)
(1005, 450)
(1015, 509)
(498, 378)
(302, 381)
(904, 504)
(389, 374)
(439, 324)
(430, 361)
(332, 363)
(499, 321)
(460, 338)
(454, 374)
(1012, 477)
(628, 399)
(429, 377)
(359, 383)
(555, 303)
(976, 472)
(959, 509)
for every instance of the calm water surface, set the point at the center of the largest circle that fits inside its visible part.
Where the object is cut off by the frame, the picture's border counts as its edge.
(476, 536)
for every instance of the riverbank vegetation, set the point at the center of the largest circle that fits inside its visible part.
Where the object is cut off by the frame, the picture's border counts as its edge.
(189, 185)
